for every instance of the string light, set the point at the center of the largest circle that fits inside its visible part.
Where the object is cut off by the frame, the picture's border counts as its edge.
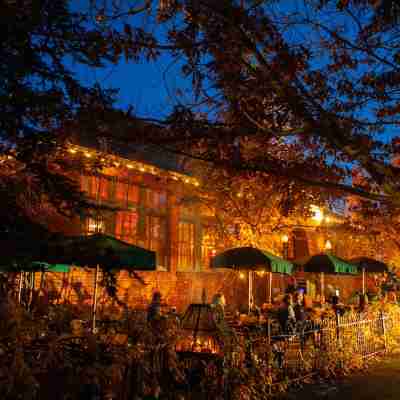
(133, 165)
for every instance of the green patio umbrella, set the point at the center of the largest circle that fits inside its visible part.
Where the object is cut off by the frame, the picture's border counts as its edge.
(252, 259)
(97, 251)
(57, 252)
(365, 265)
(326, 264)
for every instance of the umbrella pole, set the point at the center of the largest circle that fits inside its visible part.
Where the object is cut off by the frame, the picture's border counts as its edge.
(270, 288)
(21, 278)
(363, 281)
(322, 288)
(250, 290)
(94, 309)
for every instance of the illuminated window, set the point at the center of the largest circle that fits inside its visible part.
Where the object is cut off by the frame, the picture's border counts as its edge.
(156, 234)
(207, 246)
(186, 259)
(126, 193)
(126, 226)
(94, 225)
(156, 199)
(96, 187)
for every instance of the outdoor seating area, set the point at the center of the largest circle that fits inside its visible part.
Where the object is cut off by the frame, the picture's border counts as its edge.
(288, 336)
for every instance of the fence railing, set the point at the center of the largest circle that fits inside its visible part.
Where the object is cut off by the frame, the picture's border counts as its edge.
(310, 346)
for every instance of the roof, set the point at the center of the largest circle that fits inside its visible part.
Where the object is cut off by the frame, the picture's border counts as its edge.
(135, 149)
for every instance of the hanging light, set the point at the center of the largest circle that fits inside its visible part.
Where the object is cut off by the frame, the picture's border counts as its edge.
(241, 275)
(285, 238)
(328, 245)
(318, 214)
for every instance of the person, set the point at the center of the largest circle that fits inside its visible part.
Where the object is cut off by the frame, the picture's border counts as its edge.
(287, 316)
(154, 309)
(173, 315)
(299, 307)
(218, 306)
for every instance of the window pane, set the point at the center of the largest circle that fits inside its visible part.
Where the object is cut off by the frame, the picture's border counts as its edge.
(96, 187)
(156, 237)
(94, 225)
(121, 191)
(185, 246)
(126, 226)
(133, 194)
(156, 199)
(207, 246)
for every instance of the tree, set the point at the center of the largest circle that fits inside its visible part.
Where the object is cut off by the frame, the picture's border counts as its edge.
(39, 98)
(318, 74)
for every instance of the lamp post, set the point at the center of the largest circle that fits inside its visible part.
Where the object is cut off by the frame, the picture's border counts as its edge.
(328, 248)
(285, 244)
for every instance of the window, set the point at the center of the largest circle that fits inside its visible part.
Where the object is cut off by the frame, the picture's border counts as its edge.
(156, 199)
(156, 237)
(126, 193)
(186, 259)
(96, 187)
(94, 225)
(207, 246)
(126, 226)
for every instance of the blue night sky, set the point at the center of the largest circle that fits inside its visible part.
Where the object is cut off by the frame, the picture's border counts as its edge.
(149, 87)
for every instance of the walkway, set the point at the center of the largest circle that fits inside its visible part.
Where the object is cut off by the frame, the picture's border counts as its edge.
(380, 382)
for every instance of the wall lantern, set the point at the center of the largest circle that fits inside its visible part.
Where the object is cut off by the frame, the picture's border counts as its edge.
(328, 245)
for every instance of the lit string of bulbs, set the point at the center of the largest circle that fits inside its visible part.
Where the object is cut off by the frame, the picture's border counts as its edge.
(120, 162)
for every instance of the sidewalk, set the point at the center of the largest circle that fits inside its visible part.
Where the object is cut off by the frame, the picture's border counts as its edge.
(381, 381)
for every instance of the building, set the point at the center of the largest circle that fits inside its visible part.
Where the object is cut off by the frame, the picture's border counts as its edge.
(149, 200)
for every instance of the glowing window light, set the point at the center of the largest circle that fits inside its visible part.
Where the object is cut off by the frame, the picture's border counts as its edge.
(318, 215)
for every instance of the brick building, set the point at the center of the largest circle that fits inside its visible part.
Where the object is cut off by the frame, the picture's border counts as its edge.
(148, 200)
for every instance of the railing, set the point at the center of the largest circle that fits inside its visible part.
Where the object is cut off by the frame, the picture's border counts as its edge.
(310, 347)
